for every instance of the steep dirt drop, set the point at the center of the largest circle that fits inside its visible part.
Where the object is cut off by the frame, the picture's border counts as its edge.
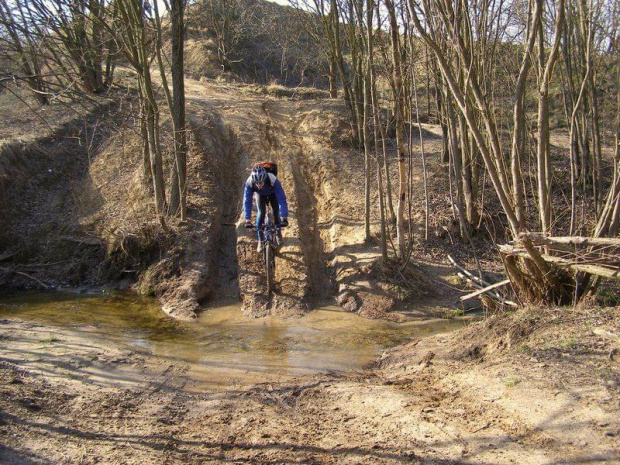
(324, 254)
(265, 130)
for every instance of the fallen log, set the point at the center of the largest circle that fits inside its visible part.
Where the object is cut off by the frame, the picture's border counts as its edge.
(26, 275)
(541, 240)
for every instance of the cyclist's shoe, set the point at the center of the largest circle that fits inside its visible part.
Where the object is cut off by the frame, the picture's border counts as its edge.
(284, 222)
(249, 225)
(260, 247)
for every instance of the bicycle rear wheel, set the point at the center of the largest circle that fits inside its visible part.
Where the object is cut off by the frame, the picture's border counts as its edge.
(270, 265)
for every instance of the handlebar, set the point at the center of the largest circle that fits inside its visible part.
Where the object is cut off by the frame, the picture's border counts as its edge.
(265, 226)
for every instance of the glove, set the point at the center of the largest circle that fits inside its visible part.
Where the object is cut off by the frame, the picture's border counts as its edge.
(284, 222)
(248, 224)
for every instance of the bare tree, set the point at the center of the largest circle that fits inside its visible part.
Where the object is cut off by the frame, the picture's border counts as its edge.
(76, 26)
(322, 33)
(227, 20)
(178, 202)
(476, 107)
(25, 50)
(609, 220)
(399, 113)
(136, 44)
(545, 67)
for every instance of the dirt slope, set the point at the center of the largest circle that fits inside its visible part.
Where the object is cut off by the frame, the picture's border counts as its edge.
(251, 140)
(324, 251)
(99, 229)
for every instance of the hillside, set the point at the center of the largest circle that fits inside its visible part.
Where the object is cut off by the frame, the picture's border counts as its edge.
(267, 43)
(98, 229)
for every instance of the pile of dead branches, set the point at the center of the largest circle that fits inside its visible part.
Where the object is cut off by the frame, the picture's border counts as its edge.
(560, 270)
(490, 294)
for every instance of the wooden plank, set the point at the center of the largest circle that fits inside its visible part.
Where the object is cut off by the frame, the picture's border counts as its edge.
(470, 275)
(491, 292)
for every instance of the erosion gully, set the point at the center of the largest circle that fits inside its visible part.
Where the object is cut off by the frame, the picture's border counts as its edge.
(224, 348)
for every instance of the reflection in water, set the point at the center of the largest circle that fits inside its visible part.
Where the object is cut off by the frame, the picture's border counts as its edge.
(223, 347)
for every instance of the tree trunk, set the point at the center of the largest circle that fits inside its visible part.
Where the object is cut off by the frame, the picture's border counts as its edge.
(542, 152)
(346, 84)
(366, 112)
(333, 78)
(609, 220)
(179, 192)
(400, 146)
(28, 61)
(519, 135)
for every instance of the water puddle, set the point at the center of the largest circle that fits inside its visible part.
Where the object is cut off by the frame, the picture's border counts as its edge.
(224, 348)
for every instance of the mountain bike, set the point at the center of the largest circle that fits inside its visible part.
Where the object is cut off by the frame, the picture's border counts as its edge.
(272, 238)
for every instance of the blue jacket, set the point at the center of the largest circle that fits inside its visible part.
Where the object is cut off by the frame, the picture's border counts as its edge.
(273, 186)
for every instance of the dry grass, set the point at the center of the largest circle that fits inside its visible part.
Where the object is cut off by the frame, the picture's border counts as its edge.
(201, 59)
(24, 120)
(543, 332)
(16, 162)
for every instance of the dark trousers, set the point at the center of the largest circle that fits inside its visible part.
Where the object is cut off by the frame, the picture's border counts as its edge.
(261, 206)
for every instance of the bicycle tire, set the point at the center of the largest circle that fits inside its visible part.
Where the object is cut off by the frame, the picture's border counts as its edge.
(273, 260)
(270, 266)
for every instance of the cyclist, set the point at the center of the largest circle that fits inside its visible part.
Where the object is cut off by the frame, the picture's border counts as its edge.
(265, 187)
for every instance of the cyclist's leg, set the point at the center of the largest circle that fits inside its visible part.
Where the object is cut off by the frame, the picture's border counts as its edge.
(276, 214)
(276, 208)
(261, 207)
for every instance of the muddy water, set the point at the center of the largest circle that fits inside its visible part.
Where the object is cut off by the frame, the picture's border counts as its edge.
(223, 348)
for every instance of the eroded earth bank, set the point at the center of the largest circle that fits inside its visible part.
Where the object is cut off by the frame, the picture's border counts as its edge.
(504, 390)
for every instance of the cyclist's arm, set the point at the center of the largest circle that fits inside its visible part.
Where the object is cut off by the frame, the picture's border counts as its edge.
(281, 197)
(247, 200)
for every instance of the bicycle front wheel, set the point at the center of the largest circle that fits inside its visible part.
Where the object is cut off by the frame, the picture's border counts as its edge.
(270, 265)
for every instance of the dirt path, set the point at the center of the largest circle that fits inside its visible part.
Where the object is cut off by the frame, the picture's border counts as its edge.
(324, 251)
(255, 137)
